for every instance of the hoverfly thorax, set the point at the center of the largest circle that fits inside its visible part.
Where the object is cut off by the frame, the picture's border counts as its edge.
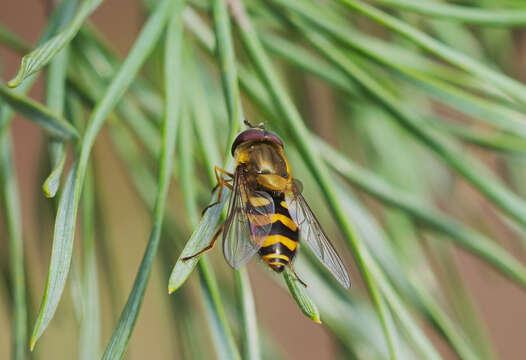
(261, 154)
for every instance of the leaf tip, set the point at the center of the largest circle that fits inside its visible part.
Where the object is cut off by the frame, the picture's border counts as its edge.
(32, 343)
(172, 285)
(49, 193)
(16, 80)
(50, 188)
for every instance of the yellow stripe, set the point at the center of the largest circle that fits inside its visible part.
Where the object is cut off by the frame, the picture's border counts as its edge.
(273, 239)
(283, 204)
(261, 220)
(285, 220)
(276, 263)
(258, 201)
(275, 256)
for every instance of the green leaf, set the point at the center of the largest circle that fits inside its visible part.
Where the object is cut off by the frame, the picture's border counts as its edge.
(42, 55)
(54, 124)
(69, 205)
(421, 72)
(512, 87)
(400, 310)
(251, 348)
(13, 215)
(203, 121)
(173, 104)
(52, 182)
(464, 14)
(221, 334)
(227, 65)
(305, 59)
(350, 318)
(299, 293)
(90, 325)
(200, 238)
(186, 168)
(135, 161)
(60, 256)
(12, 40)
(447, 326)
(88, 80)
(452, 155)
(395, 152)
(417, 208)
(51, 28)
(496, 141)
(379, 245)
(55, 99)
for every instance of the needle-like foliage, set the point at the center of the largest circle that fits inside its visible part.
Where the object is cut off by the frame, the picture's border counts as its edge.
(405, 120)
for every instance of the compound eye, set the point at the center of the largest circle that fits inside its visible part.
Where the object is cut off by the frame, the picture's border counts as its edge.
(247, 135)
(274, 138)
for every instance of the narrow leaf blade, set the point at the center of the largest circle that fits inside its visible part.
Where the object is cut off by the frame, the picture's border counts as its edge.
(60, 257)
(54, 124)
(12, 213)
(173, 104)
(200, 238)
(42, 55)
(300, 295)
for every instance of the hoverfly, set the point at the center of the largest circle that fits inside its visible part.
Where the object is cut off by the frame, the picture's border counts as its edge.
(267, 213)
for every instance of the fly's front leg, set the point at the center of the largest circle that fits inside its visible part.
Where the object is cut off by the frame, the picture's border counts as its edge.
(220, 183)
(207, 248)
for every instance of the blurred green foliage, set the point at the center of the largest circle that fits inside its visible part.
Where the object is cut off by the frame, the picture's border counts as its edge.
(382, 106)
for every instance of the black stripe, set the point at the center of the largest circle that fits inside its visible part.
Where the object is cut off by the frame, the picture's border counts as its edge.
(278, 209)
(278, 228)
(277, 248)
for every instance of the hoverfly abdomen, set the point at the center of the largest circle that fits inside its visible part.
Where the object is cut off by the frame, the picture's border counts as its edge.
(279, 246)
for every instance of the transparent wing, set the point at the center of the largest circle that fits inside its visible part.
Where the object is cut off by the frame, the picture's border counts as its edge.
(248, 222)
(313, 235)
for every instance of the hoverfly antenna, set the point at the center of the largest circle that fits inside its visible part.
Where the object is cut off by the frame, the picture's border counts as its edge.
(259, 126)
(247, 123)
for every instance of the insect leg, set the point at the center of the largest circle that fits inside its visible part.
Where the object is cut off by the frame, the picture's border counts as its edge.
(220, 182)
(296, 275)
(207, 248)
(219, 194)
(217, 168)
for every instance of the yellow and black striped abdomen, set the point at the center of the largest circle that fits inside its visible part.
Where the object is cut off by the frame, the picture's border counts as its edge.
(279, 246)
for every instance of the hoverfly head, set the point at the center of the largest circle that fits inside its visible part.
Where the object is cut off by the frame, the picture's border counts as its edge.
(255, 134)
